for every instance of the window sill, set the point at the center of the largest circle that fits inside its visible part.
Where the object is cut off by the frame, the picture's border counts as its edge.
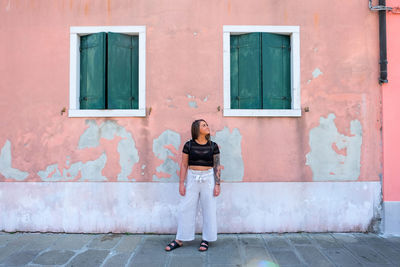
(262, 112)
(107, 113)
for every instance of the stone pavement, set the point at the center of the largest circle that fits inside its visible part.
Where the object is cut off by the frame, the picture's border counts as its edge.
(261, 250)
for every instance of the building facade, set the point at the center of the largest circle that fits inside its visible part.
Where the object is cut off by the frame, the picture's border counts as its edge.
(98, 99)
(391, 130)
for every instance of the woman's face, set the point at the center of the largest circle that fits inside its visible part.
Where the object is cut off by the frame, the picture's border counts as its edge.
(204, 130)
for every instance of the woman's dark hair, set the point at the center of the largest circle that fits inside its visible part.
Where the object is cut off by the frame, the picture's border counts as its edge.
(196, 130)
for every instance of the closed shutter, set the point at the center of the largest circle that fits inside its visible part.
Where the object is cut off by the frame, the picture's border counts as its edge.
(276, 71)
(122, 69)
(92, 71)
(246, 89)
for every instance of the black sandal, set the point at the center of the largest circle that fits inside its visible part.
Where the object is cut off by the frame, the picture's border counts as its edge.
(203, 244)
(173, 245)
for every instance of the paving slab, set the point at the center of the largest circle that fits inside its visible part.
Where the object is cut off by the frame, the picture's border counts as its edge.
(298, 239)
(277, 242)
(89, 258)
(5, 238)
(366, 255)
(107, 241)
(72, 241)
(54, 257)
(345, 238)
(341, 257)
(128, 243)
(41, 241)
(251, 240)
(185, 261)
(313, 257)
(325, 240)
(118, 259)
(225, 251)
(286, 257)
(256, 255)
(20, 258)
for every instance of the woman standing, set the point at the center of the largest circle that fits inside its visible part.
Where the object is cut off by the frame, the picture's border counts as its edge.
(200, 166)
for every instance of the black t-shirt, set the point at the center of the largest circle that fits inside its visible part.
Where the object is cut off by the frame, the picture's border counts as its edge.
(201, 155)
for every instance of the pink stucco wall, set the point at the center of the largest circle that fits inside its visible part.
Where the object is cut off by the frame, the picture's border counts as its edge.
(339, 38)
(391, 110)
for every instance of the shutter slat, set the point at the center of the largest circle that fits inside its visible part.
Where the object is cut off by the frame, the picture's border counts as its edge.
(92, 71)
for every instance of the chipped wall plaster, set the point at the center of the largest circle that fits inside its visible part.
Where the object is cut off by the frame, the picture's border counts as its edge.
(169, 166)
(231, 154)
(334, 156)
(6, 168)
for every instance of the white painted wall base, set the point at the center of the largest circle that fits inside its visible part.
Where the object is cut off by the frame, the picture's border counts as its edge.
(391, 219)
(152, 207)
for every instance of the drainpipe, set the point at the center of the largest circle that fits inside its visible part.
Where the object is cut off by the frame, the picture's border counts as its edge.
(382, 43)
(381, 8)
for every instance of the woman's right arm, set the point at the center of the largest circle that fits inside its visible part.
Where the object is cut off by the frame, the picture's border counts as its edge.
(183, 172)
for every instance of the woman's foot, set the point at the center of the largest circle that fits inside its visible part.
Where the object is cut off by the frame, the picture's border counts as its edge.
(173, 245)
(203, 245)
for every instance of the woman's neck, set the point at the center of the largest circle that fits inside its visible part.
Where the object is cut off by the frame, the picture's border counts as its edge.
(201, 139)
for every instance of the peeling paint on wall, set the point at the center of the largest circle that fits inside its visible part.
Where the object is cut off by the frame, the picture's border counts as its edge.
(6, 168)
(169, 166)
(128, 153)
(193, 104)
(316, 73)
(91, 170)
(334, 156)
(231, 154)
(88, 171)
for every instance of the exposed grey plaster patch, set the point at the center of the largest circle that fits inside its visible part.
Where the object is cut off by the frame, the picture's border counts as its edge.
(205, 99)
(316, 73)
(190, 96)
(315, 49)
(91, 138)
(325, 162)
(308, 81)
(193, 104)
(231, 154)
(6, 162)
(90, 171)
(169, 166)
(126, 146)
(143, 166)
(128, 156)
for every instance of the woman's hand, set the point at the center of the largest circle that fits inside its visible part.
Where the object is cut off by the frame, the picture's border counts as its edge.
(182, 189)
(217, 190)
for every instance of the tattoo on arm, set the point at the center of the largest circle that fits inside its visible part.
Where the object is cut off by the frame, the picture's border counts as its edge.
(217, 170)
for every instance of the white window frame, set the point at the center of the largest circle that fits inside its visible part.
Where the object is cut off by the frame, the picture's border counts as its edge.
(294, 33)
(74, 78)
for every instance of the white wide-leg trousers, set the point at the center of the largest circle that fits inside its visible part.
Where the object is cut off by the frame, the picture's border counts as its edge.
(199, 185)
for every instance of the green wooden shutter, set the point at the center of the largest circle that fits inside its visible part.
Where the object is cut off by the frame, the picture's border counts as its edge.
(276, 71)
(92, 71)
(246, 89)
(123, 71)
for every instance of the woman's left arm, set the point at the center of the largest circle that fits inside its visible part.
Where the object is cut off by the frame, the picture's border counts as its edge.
(217, 175)
(217, 170)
